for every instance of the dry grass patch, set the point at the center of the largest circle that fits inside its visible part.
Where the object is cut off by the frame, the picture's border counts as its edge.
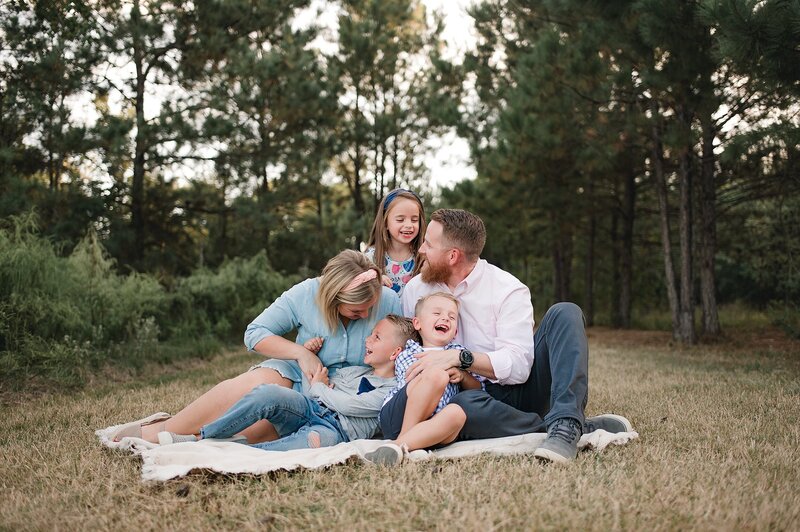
(718, 451)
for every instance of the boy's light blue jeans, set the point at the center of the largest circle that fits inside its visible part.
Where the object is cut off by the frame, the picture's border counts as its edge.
(294, 416)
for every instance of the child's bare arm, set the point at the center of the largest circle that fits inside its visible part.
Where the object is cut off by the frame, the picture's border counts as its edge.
(463, 378)
(469, 382)
(321, 376)
(314, 344)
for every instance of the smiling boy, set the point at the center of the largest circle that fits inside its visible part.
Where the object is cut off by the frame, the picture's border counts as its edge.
(412, 403)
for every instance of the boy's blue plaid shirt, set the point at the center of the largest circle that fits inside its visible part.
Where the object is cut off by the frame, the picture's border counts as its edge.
(406, 358)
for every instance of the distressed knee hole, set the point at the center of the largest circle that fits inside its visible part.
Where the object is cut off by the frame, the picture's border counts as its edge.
(314, 440)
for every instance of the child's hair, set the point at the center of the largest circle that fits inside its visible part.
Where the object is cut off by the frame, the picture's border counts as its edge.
(379, 236)
(404, 328)
(421, 301)
(338, 273)
(463, 230)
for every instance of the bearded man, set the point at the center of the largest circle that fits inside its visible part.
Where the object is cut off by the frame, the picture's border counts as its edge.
(538, 381)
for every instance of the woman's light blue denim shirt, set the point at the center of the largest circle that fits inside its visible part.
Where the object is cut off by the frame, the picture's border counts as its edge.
(297, 309)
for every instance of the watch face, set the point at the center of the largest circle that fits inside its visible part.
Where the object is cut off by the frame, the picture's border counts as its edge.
(466, 358)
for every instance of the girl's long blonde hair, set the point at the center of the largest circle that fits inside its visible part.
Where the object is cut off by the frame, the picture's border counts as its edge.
(379, 236)
(336, 275)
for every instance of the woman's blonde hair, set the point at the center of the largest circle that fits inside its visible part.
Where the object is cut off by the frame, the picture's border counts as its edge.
(379, 236)
(336, 275)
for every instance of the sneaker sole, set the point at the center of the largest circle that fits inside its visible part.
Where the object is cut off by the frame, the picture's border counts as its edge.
(133, 429)
(384, 456)
(165, 438)
(233, 439)
(546, 455)
(621, 419)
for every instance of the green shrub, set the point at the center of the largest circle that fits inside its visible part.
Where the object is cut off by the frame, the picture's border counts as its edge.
(224, 302)
(786, 316)
(62, 318)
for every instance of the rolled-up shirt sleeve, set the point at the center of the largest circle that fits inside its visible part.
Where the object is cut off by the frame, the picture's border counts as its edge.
(282, 316)
(512, 356)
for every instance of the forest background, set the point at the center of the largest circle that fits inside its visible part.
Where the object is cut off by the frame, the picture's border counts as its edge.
(167, 168)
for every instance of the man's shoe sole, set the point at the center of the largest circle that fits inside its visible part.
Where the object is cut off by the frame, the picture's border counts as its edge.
(385, 456)
(625, 422)
(546, 455)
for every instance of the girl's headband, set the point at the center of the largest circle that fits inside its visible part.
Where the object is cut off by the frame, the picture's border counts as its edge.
(394, 193)
(360, 279)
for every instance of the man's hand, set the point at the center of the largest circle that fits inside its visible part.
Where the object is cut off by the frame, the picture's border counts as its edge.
(321, 376)
(433, 359)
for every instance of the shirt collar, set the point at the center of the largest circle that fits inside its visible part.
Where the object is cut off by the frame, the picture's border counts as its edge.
(473, 277)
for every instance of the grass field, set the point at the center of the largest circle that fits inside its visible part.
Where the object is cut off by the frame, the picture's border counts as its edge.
(719, 427)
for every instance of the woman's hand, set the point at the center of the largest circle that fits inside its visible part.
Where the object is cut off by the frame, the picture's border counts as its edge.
(321, 376)
(309, 364)
(314, 344)
(386, 281)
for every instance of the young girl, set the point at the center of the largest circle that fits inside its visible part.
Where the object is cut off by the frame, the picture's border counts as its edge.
(396, 237)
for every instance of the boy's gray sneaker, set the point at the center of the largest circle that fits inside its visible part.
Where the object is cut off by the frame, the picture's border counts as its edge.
(607, 422)
(561, 444)
(168, 438)
(388, 455)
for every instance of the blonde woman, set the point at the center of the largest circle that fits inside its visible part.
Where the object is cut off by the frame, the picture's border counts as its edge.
(332, 314)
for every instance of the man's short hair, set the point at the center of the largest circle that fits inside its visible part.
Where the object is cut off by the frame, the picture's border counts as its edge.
(421, 301)
(462, 230)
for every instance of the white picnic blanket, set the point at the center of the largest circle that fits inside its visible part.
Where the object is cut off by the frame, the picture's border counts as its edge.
(164, 462)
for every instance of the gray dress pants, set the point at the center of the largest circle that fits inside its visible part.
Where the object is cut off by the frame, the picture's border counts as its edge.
(557, 386)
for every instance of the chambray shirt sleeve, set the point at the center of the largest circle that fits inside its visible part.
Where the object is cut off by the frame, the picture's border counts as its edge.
(512, 356)
(362, 405)
(283, 315)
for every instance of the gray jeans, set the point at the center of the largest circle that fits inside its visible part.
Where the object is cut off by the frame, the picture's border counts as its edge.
(557, 386)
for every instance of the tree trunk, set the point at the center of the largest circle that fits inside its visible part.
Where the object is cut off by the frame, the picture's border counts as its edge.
(616, 314)
(51, 173)
(562, 259)
(626, 251)
(588, 305)
(137, 186)
(657, 163)
(358, 198)
(708, 233)
(687, 332)
(223, 222)
(395, 170)
(263, 193)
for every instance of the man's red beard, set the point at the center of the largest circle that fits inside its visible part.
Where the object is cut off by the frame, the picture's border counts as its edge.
(434, 273)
